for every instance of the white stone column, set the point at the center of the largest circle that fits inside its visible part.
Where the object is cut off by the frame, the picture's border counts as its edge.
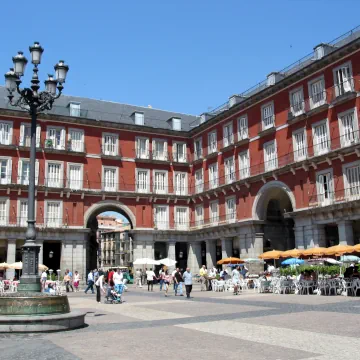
(210, 253)
(138, 250)
(346, 233)
(170, 249)
(319, 239)
(226, 248)
(194, 257)
(299, 237)
(149, 248)
(11, 256)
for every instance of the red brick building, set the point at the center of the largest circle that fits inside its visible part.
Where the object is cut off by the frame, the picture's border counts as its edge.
(275, 167)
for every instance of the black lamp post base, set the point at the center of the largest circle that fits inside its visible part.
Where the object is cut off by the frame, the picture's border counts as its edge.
(30, 279)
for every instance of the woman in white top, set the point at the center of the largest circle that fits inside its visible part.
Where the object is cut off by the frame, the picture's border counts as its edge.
(150, 276)
(99, 286)
(43, 280)
(76, 281)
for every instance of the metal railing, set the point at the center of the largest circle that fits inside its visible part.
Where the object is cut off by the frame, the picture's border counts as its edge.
(325, 198)
(110, 150)
(41, 222)
(152, 155)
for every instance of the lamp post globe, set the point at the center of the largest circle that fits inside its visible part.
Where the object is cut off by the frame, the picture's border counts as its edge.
(10, 80)
(36, 51)
(20, 62)
(61, 70)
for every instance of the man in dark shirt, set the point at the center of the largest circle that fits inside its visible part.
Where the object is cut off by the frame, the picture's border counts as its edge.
(178, 280)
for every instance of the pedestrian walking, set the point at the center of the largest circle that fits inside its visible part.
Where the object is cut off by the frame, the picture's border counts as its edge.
(167, 281)
(76, 281)
(138, 278)
(71, 279)
(161, 273)
(67, 281)
(203, 280)
(187, 276)
(118, 279)
(99, 287)
(178, 280)
(150, 276)
(236, 279)
(43, 280)
(90, 282)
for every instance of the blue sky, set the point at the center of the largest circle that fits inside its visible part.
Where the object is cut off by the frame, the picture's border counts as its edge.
(186, 56)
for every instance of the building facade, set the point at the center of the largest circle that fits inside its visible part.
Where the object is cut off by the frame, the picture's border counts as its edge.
(276, 167)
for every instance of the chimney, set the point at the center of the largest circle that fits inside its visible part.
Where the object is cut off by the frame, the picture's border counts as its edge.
(321, 50)
(274, 77)
(204, 117)
(235, 99)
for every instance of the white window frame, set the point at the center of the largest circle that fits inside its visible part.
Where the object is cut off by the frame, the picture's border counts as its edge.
(214, 219)
(181, 226)
(244, 173)
(160, 191)
(140, 154)
(106, 151)
(22, 134)
(163, 156)
(268, 126)
(242, 131)
(116, 178)
(199, 220)
(74, 109)
(176, 158)
(61, 180)
(297, 109)
(8, 179)
(352, 193)
(230, 216)
(164, 226)
(81, 131)
(230, 177)
(10, 137)
(228, 140)
(68, 175)
(314, 105)
(298, 155)
(330, 200)
(199, 187)
(354, 138)
(147, 190)
(212, 146)
(185, 190)
(7, 202)
(341, 90)
(23, 222)
(198, 156)
(213, 184)
(316, 150)
(267, 166)
(62, 136)
(20, 169)
(176, 123)
(59, 222)
(139, 118)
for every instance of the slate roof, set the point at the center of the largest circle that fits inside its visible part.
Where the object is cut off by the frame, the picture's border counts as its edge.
(100, 110)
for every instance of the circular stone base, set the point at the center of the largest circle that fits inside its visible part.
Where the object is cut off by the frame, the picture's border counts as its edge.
(44, 323)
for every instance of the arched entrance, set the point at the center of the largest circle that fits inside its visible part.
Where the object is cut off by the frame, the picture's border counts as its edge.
(271, 203)
(91, 222)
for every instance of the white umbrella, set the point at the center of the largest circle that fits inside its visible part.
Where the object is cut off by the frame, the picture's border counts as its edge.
(146, 261)
(168, 262)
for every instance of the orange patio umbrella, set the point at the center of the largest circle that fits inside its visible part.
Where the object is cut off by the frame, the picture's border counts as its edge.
(230, 260)
(339, 250)
(317, 251)
(294, 253)
(356, 248)
(271, 255)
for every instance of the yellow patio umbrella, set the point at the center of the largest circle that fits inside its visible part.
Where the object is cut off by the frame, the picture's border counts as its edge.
(230, 260)
(43, 267)
(317, 251)
(356, 248)
(271, 255)
(4, 266)
(294, 253)
(339, 250)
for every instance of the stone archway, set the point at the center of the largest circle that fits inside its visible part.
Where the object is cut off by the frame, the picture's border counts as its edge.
(273, 200)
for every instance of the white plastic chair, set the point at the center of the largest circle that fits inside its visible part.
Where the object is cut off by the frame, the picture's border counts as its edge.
(1, 287)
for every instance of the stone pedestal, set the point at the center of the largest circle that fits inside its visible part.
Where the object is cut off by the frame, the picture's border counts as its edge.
(170, 248)
(30, 279)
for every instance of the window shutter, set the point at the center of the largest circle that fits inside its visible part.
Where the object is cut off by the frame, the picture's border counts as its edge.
(62, 139)
(9, 171)
(19, 172)
(37, 172)
(21, 140)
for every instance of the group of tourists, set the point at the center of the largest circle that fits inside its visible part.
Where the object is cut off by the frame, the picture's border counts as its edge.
(71, 281)
(165, 279)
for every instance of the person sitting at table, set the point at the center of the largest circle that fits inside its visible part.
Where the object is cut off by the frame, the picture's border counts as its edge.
(313, 276)
(300, 277)
(349, 271)
(355, 273)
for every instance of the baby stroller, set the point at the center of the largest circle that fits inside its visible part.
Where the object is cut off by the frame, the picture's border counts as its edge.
(114, 294)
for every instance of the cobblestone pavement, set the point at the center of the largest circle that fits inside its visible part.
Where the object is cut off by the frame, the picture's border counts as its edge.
(208, 326)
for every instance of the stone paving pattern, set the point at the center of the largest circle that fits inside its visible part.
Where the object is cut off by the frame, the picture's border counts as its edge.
(208, 326)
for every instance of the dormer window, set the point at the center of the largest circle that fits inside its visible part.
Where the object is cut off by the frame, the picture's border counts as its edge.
(139, 118)
(176, 124)
(74, 109)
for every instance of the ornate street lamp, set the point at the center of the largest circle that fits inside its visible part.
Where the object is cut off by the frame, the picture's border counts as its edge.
(34, 102)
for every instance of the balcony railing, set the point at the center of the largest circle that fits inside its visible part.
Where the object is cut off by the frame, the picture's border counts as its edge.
(351, 193)
(41, 222)
(152, 155)
(110, 150)
(227, 141)
(179, 157)
(70, 147)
